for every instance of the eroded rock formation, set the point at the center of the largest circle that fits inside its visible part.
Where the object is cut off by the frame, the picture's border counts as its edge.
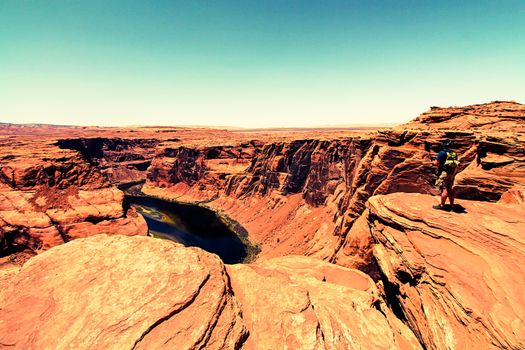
(456, 278)
(117, 292)
(302, 196)
(507, 116)
(121, 160)
(182, 298)
(428, 279)
(49, 196)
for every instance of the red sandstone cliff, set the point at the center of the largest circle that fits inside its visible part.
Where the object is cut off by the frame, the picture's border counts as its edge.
(303, 196)
(506, 116)
(455, 279)
(185, 298)
(436, 279)
(49, 196)
(447, 280)
(295, 195)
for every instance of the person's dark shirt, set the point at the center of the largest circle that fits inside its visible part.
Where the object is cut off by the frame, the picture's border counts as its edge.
(441, 158)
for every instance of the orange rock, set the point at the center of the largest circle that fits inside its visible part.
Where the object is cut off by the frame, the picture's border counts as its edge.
(515, 195)
(457, 278)
(301, 303)
(50, 195)
(303, 196)
(495, 116)
(117, 292)
(142, 292)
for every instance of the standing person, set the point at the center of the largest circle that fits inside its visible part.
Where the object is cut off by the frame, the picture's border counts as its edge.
(447, 164)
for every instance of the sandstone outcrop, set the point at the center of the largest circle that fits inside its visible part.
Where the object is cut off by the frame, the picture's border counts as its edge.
(301, 303)
(117, 292)
(49, 196)
(515, 195)
(205, 167)
(455, 279)
(303, 196)
(495, 116)
(121, 160)
(312, 188)
(361, 200)
(141, 292)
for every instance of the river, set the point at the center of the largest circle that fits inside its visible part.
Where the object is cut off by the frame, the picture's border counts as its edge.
(191, 225)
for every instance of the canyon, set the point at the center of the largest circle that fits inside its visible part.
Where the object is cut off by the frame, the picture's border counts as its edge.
(351, 253)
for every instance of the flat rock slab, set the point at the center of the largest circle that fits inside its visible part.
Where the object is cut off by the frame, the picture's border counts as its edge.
(460, 276)
(296, 302)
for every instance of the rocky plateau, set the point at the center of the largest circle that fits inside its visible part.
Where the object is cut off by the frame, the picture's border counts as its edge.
(352, 255)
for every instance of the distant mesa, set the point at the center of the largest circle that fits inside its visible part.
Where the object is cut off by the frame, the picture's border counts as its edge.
(493, 116)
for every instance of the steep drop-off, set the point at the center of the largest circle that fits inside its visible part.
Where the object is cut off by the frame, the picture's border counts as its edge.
(432, 279)
(121, 160)
(457, 278)
(49, 196)
(302, 196)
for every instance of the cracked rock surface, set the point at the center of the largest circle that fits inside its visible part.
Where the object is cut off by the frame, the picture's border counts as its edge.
(459, 276)
(118, 292)
(298, 302)
(135, 292)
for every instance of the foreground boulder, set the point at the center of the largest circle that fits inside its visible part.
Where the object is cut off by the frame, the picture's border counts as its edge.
(119, 292)
(298, 302)
(456, 279)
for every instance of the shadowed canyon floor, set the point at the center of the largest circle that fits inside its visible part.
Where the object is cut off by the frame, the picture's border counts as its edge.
(352, 255)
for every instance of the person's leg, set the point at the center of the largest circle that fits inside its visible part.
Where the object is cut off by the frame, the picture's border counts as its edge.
(450, 189)
(442, 191)
(444, 196)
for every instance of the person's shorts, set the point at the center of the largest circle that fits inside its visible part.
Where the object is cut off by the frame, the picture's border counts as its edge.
(445, 181)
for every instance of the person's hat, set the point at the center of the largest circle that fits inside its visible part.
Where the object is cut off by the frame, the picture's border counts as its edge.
(447, 143)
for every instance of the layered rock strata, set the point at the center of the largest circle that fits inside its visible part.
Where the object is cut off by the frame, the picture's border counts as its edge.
(302, 197)
(507, 116)
(120, 160)
(186, 298)
(455, 279)
(49, 196)
(436, 280)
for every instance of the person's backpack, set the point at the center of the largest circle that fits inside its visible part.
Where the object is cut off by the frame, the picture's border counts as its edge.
(451, 163)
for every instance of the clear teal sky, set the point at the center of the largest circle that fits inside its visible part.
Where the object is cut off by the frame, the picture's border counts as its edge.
(254, 63)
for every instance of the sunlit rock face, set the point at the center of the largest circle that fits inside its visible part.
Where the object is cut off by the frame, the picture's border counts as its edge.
(318, 204)
(116, 292)
(454, 277)
(506, 116)
(303, 196)
(49, 196)
(121, 160)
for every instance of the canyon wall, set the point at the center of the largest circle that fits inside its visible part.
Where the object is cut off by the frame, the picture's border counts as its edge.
(49, 196)
(121, 160)
(293, 194)
(405, 276)
(302, 196)
(454, 278)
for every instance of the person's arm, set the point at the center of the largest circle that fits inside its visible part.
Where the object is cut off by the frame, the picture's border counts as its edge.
(437, 162)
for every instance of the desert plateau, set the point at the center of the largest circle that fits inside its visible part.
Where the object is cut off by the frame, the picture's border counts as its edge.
(341, 248)
(262, 175)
